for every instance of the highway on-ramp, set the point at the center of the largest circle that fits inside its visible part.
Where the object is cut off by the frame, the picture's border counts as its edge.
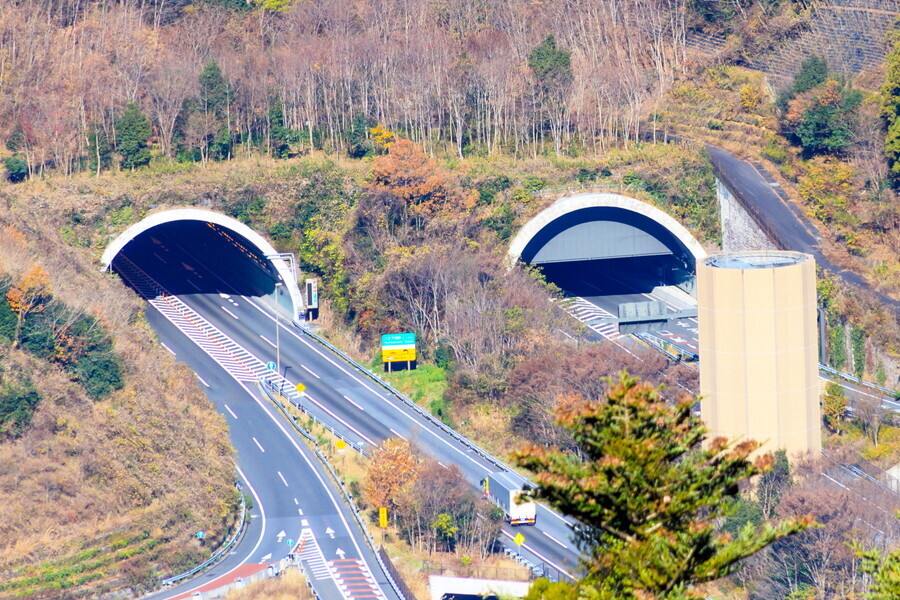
(337, 393)
(294, 506)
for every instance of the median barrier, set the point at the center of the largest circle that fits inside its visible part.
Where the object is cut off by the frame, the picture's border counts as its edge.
(444, 428)
(266, 387)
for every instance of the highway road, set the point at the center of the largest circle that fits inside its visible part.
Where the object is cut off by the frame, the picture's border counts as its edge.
(598, 287)
(295, 507)
(339, 395)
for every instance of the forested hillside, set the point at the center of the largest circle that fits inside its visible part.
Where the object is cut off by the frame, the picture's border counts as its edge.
(111, 458)
(218, 79)
(394, 147)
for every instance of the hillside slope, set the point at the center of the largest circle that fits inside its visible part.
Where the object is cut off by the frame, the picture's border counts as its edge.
(101, 489)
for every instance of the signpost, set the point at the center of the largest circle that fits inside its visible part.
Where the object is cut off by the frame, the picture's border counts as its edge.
(398, 347)
(519, 539)
(300, 388)
(382, 521)
(312, 298)
(270, 366)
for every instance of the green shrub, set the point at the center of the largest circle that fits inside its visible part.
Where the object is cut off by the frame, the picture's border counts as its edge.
(16, 169)
(17, 405)
(100, 374)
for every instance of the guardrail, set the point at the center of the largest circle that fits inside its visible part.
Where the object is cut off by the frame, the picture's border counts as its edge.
(400, 396)
(219, 553)
(856, 380)
(275, 389)
(431, 419)
(265, 386)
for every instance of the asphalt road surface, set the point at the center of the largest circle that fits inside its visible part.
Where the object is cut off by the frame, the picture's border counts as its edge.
(781, 220)
(336, 393)
(294, 505)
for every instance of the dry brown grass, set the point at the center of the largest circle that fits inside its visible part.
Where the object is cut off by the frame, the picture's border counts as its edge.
(291, 585)
(104, 493)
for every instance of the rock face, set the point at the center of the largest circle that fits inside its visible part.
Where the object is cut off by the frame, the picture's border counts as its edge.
(740, 233)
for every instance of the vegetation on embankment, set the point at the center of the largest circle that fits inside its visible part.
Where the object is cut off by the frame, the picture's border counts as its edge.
(111, 458)
(824, 142)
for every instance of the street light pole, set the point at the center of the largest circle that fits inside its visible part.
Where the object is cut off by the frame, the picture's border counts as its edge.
(278, 336)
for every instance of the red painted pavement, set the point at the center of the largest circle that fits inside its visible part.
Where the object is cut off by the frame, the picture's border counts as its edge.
(242, 571)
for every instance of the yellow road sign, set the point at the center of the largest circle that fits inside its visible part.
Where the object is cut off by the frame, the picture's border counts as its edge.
(382, 517)
(300, 387)
(398, 355)
(340, 444)
(519, 539)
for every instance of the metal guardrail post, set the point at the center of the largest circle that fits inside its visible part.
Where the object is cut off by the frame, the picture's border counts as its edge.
(347, 498)
(219, 553)
(418, 409)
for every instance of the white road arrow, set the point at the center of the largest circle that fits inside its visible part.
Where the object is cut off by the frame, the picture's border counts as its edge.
(266, 557)
(281, 535)
(330, 532)
(340, 553)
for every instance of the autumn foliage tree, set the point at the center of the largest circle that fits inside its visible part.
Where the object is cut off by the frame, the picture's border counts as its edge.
(28, 295)
(411, 175)
(648, 494)
(392, 470)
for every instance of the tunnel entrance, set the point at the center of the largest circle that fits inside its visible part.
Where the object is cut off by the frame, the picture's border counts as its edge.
(186, 252)
(613, 253)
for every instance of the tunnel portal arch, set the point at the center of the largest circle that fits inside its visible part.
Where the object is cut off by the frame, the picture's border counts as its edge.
(594, 226)
(173, 215)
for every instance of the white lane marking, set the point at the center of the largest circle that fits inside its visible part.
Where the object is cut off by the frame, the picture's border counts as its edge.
(201, 380)
(229, 312)
(395, 432)
(224, 295)
(295, 501)
(554, 539)
(161, 259)
(365, 385)
(312, 468)
(347, 398)
(283, 480)
(259, 445)
(304, 522)
(231, 412)
(343, 422)
(262, 532)
(266, 340)
(300, 511)
(311, 372)
(443, 465)
(397, 408)
(196, 287)
(169, 349)
(550, 562)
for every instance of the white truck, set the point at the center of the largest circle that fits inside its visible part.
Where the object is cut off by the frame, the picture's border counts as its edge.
(504, 490)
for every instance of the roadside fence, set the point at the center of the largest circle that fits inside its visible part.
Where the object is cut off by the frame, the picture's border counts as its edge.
(391, 574)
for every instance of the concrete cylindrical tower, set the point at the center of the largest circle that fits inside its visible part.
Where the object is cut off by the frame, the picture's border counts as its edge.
(759, 348)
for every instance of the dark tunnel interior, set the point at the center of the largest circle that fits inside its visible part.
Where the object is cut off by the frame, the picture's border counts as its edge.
(195, 257)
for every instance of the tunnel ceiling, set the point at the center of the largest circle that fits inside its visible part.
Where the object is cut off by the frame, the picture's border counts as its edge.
(601, 233)
(230, 249)
(603, 226)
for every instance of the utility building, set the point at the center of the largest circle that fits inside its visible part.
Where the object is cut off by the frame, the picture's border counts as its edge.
(759, 349)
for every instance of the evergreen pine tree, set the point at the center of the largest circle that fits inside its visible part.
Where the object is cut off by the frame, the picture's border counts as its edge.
(132, 134)
(648, 493)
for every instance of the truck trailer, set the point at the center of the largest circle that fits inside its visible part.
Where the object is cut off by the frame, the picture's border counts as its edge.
(504, 490)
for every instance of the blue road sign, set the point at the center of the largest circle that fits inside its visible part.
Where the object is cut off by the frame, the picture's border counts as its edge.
(290, 543)
(270, 366)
